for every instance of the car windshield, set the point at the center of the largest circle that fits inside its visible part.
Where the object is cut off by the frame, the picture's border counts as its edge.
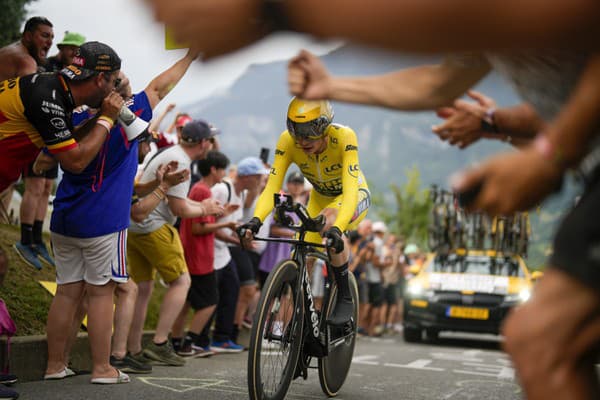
(478, 265)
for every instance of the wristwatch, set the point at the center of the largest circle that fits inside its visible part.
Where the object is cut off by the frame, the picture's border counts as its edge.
(488, 125)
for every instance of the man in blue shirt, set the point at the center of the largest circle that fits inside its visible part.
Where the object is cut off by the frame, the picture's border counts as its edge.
(89, 231)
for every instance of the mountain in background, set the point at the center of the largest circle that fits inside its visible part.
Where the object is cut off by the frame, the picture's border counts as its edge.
(251, 114)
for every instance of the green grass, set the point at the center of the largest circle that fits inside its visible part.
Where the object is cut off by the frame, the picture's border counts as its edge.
(27, 301)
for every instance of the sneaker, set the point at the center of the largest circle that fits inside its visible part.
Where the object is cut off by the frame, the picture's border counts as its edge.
(131, 365)
(8, 379)
(28, 253)
(184, 348)
(8, 393)
(226, 347)
(342, 312)
(247, 322)
(201, 352)
(43, 254)
(163, 354)
(176, 342)
(140, 358)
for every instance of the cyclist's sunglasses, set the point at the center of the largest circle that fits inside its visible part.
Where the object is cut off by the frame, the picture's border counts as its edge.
(311, 130)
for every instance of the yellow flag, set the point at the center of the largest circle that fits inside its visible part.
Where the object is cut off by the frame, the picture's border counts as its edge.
(170, 42)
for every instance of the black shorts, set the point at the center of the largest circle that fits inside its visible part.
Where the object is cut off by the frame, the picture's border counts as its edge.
(52, 173)
(390, 294)
(255, 260)
(203, 291)
(375, 294)
(577, 242)
(243, 264)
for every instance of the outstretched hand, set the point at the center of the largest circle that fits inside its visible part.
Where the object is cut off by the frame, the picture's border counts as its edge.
(213, 27)
(510, 182)
(462, 125)
(308, 77)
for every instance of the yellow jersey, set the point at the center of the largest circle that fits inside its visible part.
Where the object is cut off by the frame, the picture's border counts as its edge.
(334, 174)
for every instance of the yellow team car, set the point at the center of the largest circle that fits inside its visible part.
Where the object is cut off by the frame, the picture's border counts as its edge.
(469, 293)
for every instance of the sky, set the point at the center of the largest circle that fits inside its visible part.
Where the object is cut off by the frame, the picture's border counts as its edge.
(129, 27)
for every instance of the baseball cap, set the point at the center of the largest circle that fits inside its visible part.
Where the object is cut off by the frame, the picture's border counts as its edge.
(72, 39)
(295, 177)
(411, 248)
(379, 226)
(182, 120)
(251, 166)
(92, 58)
(196, 130)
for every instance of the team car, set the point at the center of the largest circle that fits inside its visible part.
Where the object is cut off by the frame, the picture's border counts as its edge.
(472, 292)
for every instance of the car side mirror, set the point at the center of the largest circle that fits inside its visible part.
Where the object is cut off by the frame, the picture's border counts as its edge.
(535, 275)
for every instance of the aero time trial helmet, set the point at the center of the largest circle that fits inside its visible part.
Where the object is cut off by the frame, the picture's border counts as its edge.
(307, 119)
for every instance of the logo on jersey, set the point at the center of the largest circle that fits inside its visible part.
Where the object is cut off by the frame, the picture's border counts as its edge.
(353, 170)
(351, 147)
(279, 152)
(273, 171)
(331, 170)
(58, 123)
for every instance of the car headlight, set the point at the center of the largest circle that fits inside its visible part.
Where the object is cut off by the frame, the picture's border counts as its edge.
(520, 297)
(524, 295)
(415, 289)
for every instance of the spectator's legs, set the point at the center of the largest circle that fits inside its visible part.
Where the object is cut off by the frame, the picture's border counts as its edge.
(229, 288)
(246, 295)
(134, 341)
(30, 206)
(201, 318)
(82, 310)
(100, 319)
(553, 339)
(178, 330)
(171, 306)
(60, 319)
(124, 309)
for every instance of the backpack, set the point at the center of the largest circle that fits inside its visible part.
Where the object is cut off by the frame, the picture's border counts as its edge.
(8, 328)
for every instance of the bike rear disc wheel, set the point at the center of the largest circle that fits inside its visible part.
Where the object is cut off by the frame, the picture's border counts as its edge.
(276, 335)
(334, 368)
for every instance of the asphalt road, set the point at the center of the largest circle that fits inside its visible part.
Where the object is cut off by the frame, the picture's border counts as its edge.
(455, 367)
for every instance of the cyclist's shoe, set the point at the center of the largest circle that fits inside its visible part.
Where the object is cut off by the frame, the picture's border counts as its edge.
(342, 312)
(226, 347)
(28, 253)
(44, 255)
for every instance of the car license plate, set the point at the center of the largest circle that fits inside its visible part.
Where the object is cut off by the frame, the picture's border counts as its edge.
(468, 312)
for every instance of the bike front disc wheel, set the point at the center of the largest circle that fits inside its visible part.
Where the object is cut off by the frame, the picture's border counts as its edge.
(334, 368)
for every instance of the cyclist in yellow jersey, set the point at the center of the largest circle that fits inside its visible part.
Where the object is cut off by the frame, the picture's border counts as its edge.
(327, 155)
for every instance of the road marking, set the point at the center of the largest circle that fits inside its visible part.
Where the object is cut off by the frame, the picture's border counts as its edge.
(365, 360)
(420, 364)
(182, 385)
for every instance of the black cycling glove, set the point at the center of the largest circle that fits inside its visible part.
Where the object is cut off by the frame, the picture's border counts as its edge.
(335, 241)
(254, 225)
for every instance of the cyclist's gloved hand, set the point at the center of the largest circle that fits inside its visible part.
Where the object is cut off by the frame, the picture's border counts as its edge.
(334, 239)
(253, 225)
